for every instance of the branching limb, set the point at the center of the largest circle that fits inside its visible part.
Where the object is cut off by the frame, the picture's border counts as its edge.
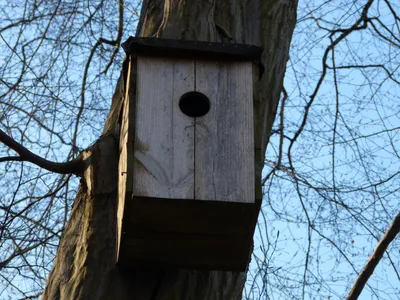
(75, 166)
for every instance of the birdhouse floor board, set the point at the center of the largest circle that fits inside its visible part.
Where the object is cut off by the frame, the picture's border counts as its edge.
(185, 251)
(193, 216)
(186, 233)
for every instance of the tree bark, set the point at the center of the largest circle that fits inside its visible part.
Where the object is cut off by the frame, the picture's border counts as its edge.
(85, 263)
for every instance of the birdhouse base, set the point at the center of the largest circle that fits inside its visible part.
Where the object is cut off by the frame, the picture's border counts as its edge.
(212, 235)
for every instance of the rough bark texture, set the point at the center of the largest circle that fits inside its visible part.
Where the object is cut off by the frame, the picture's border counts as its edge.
(85, 263)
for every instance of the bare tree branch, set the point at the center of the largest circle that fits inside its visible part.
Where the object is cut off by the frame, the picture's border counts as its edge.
(75, 166)
(375, 258)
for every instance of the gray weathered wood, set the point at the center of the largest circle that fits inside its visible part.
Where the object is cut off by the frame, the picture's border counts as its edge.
(224, 157)
(171, 154)
(125, 152)
(163, 146)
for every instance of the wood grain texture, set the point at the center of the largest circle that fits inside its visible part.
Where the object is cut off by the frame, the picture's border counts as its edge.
(125, 150)
(163, 146)
(175, 153)
(224, 141)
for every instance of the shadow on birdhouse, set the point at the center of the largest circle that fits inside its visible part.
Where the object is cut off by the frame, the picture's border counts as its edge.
(186, 183)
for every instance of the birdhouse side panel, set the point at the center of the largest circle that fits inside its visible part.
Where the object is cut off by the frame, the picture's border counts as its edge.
(126, 149)
(224, 138)
(164, 136)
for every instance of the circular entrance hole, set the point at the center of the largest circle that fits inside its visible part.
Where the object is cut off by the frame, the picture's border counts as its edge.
(194, 104)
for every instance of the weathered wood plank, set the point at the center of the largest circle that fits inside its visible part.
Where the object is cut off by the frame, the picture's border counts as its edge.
(125, 151)
(164, 154)
(187, 233)
(224, 141)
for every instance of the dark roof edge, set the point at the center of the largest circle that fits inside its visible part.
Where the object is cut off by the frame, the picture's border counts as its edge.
(190, 49)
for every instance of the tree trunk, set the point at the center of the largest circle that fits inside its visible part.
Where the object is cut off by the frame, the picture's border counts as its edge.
(85, 263)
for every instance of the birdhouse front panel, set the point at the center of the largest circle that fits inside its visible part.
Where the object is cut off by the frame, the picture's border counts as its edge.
(181, 156)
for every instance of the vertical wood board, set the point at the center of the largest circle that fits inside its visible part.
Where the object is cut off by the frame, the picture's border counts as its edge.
(224, 141)
(163, 146)
(126, 150)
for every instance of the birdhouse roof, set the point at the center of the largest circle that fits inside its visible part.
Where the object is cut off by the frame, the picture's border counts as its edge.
(192, 49)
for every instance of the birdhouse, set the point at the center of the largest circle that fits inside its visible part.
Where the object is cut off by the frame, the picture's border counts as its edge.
(186, 169)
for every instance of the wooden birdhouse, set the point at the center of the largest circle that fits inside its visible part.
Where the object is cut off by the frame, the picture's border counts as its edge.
(186, 170)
